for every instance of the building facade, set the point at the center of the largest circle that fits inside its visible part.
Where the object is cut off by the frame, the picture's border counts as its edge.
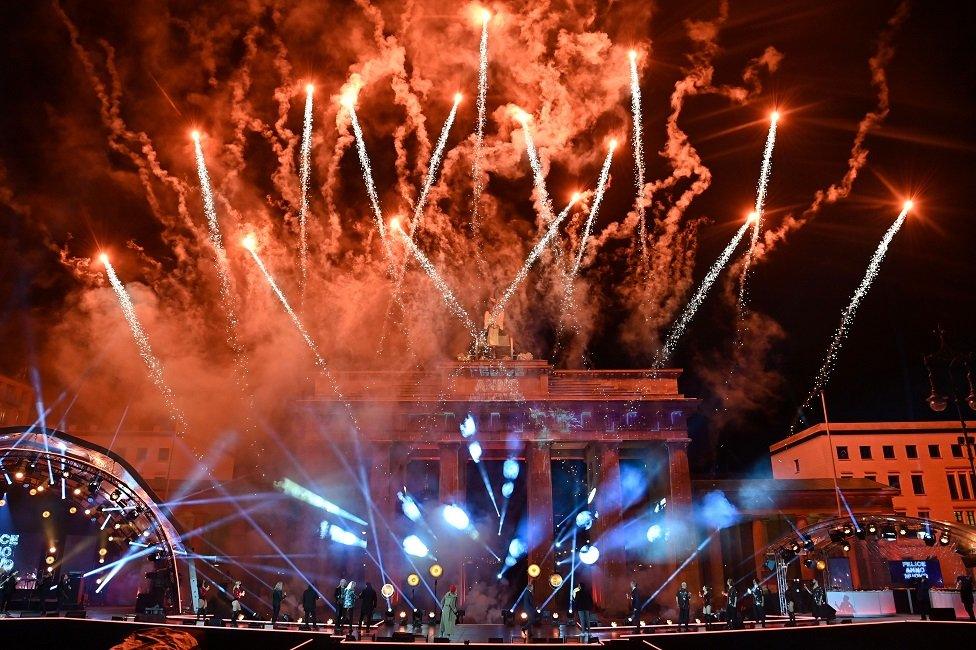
(529, 412)
(16, 402)
(927, 462)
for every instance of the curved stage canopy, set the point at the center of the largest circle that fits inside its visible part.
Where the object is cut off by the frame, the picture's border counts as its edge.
(97, 479)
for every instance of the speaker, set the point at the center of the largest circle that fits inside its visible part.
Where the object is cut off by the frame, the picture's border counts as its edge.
(942, 614)
(403, 637)
(441, 639)
(76, 613)
(150, 618)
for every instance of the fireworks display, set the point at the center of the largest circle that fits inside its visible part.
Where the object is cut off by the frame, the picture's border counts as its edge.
(538, 177)
(213, 227)
(847, 316)
(594, 210)
(479, 134)
(767, 166)
(638, 145)
(349, 103)
(663, 356)
(142, 342)
(305, 174)
(432, 165)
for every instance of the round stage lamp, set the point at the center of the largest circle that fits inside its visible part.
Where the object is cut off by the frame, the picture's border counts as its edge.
(103, 552)
(386, 590)
(436, 570)
(49, 559)
(555, 580)
(584, 520)
(52, 550)
(3, 502)
(72, 510)
(456, 517)
(413, 580)
(534, 570)
(589, 554)
(821, 565)
(76, 492)
(46, 514)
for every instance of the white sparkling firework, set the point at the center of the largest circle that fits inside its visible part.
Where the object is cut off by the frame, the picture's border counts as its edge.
(305, 171)
(663, 355)
(538, 178)
(364, 164)
(594, 209)
(479, 136)
(435, 161)
(142, 342)
(767, 166)
(448, 296)
(637, 121)
(213, 227)
(847, 316)
(530, 260)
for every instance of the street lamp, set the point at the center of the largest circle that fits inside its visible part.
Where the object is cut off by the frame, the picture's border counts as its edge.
(950, 366)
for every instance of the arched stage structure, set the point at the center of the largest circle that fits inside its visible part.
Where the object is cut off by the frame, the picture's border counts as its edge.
(850, 535)
(94, 478)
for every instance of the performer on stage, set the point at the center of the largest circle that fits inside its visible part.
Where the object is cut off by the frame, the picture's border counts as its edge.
(277, 595)
(449, 607)
(731, 605)
(583, 604)
(8, 582)
(819, 600)
(792, 603)
(636, 603)
(965, 585)
(308, 604)
(758, 603)
(683, 598)
(367, 605)
(348, 606)
(204, 602)
(528, 605)
(707, 614)
(339, 598)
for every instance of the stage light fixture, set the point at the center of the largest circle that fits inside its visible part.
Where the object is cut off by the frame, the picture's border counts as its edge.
(836, 536)
(872, 529)
(589, 554)
(808, 563)
(52, 550)
(534, 570)
(903, 531)
(413, 580)
(46, 514)
(436, 571)
(387, 590)
(846, 547)
(456, 517)
(76, 492)
(3, 502)
(555, 580)
(49, 560)
(944, 538)
(40, 487)
(103, 551)
(524, 616)
(19, 475)
(32, 492)
(860, 533)
(847, 530)
(821, 565)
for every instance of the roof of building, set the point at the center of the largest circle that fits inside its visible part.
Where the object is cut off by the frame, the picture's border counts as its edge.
(764, 497)
(862, 428)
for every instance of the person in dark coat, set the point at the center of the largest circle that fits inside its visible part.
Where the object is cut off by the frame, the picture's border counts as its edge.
(819, 597)
(683, 598)
(965, 585)
(731, 605)
(792, 603)
(583, 604)
(758, 603)
(277, 595)
(528, 606)
(636, 603)
(309, 597)
(924, 598)
(367, 605)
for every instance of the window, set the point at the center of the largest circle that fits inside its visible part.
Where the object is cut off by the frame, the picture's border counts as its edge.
(923, 514)
(141, 453)
(958, 515)
(894, 481)
(911, 451)
(963, 487)
(846, 475)
(953, 490)
(163, 453)
(842, 453)
(956, 451)
(888, 451)
(934, 451)
(918, 487)
(971, 518)
(865, 451)
(871, 476)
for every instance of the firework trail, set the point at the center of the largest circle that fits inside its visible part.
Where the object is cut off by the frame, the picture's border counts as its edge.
(142, 342)
(597, 199)
(663, 355)
(637, 120)
(435, 161)
(213, 226)
(538, 179)
(479, 136)
(847, 316)
(449, 298)
(530, 260)
(767, 166)
(349, 102)
(305, 170)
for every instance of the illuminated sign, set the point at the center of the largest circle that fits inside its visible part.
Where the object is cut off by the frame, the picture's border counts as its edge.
(906, 572)
(7, 543)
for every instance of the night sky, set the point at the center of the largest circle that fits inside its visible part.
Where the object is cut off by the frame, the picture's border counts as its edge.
(70, 187)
